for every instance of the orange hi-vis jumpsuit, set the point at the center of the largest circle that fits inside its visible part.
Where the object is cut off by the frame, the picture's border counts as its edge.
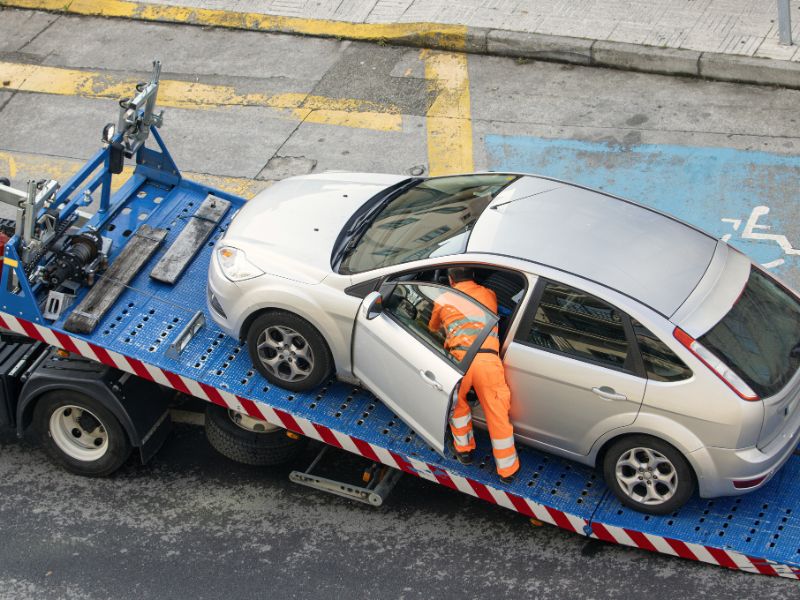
(485, 374)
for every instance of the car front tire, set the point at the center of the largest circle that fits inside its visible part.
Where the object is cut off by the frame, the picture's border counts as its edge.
(648, 474)
(288, 351)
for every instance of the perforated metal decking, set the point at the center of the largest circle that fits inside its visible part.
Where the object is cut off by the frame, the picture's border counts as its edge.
(759, 532)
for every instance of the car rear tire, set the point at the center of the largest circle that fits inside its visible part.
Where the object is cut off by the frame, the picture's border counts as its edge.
(80, 434)
(249, 441)
(288, 351)
(648, 474)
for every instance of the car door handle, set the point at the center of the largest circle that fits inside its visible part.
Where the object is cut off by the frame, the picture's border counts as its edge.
(430, 379)
(608, 393)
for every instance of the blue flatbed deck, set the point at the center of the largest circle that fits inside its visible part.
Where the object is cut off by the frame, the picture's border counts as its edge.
(758, 532)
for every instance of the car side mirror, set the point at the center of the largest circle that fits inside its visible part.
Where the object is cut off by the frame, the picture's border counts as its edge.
(373, 305)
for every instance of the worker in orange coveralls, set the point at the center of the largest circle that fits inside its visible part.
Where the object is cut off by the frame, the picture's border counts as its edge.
(485, 374)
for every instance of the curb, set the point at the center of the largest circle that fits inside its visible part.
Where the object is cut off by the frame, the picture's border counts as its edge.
(636, 57)
(474, 40)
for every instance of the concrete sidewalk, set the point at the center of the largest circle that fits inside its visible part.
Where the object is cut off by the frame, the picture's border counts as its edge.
(718, 39)
(735, 40)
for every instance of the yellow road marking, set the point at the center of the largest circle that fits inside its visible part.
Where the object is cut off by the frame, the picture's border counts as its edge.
(449, 120)
(442, 36)
(38, 166)
(186, 94)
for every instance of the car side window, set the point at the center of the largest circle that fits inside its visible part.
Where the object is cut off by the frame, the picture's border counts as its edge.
(578, 324)
(445, 320)
(660, 362)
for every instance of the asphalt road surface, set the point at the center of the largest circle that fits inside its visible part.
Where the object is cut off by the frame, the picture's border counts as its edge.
(243, 109)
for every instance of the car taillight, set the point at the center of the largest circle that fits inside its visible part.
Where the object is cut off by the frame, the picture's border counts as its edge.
(719, 368)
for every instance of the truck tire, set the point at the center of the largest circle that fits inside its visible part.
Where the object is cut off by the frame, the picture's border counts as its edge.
(249, 441)
(79, 434)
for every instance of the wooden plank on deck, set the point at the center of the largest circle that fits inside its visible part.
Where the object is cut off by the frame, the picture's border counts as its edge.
(190, 240)
(143, 243)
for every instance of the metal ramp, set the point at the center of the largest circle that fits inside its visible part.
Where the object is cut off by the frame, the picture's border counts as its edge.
(759, 532)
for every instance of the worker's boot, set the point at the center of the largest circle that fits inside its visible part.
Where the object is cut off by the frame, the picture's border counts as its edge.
(508, 479)
(465, 458)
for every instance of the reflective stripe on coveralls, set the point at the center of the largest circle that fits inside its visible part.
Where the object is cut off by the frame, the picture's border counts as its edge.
(486, 375)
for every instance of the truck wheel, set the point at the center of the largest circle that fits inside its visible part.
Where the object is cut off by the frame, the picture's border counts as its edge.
(648, 474)
(247, 440)
(80, 434)
(288, 351)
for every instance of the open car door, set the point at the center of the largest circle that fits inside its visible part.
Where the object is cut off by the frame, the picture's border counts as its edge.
(399, 358)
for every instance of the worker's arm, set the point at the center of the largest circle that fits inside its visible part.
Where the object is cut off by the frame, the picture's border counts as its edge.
(436, 318)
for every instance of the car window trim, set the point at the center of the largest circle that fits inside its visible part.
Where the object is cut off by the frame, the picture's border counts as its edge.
(381, 281)
(473, 350)
(634, 355)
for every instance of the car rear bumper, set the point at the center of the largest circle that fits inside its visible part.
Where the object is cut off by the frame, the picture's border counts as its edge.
(721, 469)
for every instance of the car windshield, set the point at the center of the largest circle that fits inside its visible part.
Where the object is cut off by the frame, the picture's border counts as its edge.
(433, 218)
(759, 336)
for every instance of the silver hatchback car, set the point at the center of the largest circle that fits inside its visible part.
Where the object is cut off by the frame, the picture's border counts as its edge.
(631, 341)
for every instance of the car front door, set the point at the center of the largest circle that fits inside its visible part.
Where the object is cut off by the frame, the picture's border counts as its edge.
(573, 368)
(399, 352)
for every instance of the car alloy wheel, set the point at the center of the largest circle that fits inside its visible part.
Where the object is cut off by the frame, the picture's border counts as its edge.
(646, 476)
(289, 351)
(285, 353)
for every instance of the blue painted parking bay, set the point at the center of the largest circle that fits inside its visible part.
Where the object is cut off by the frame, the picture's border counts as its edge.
(759, 532)
(751, 199)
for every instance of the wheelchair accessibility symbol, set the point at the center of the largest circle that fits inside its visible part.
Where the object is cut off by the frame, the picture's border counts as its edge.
(753, 230)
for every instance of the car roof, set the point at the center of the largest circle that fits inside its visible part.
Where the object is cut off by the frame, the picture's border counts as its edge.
(638, 251)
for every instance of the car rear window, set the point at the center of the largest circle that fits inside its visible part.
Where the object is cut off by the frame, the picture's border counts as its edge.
(759, 336)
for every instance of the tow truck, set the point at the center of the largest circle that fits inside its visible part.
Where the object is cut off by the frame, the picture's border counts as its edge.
(104, 319)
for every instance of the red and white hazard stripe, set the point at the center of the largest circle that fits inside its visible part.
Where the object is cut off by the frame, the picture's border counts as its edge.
(609, 533)
(716, 556)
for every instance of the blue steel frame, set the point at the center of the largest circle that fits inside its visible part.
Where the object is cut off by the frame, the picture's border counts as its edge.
(152, 165)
